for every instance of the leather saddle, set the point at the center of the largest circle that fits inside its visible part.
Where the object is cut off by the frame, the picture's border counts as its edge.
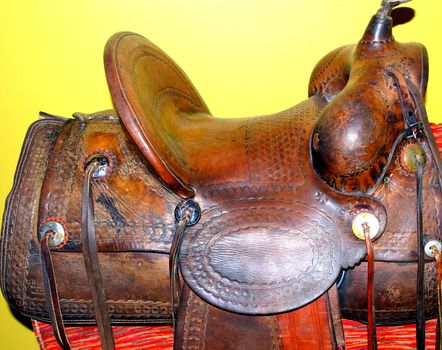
(237, 230)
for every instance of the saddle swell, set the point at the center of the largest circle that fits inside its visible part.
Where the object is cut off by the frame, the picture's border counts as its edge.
(357, 129)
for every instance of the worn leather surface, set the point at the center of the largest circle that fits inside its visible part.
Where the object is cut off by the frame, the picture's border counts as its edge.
(359, 115)
(278, 193)
(136, 279)
(249, 172)
(396, 251)
(202, 326)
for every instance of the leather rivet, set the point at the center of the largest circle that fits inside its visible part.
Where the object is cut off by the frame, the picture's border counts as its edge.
(362, 219)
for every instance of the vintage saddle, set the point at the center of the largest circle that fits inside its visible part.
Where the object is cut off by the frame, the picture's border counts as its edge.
(235, 230)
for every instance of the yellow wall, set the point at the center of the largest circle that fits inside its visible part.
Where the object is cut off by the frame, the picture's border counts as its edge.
(245, 57)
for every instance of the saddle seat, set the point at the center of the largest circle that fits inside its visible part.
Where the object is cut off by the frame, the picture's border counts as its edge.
(173, 128)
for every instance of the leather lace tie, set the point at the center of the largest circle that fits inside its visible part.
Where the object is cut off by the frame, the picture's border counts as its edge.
(187, 213)
(371, 324)
(418, 124)
(175, 285)
(420, 298)
(92, 270)
(435, 155)
(51, 292)
(438, 257)
(91, 262)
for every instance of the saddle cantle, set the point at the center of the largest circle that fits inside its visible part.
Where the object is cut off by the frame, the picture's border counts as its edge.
(161, 212)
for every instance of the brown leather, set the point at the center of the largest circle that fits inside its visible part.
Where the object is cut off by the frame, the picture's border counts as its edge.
(356, 80)
(52, 296)
(129, 218)
(276, 181)
(278, 196)
(438, 258)
(17, 225)
(371, 308)
(202, 326)
(310, 327)
(91, 262)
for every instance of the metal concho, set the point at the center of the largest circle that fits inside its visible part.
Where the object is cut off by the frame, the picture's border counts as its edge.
(411, 154)
(429, 247)
(56, 230)
(188, 206)
(365, 218)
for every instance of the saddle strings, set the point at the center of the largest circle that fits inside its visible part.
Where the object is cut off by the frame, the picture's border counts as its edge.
(175, 285)
(412, 128)
(92, 269)
(429, 138)
(90, 256)
(438, 257)
(51, 292)
(371, 315)
(420, 298)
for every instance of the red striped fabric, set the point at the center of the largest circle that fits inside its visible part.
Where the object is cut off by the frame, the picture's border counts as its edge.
(161, 337)
(388, 338)
(126, 337)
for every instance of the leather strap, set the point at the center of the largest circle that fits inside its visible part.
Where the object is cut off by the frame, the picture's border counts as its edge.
(51, 292)
(314, 326)
(438, 257)
(91, 261)
(420, 306)
(422, 121)
(336, 317)
(175, 285)
(371, 325)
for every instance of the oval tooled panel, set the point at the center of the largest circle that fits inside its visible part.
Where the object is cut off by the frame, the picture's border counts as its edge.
(263, 258)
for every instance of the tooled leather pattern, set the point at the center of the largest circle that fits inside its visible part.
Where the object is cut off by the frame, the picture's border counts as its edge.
(217, 248)
(398, 243)
(21, 214)
(120, 221)
(276, 145)
(195, 323)
(280, 185)
(20, 251)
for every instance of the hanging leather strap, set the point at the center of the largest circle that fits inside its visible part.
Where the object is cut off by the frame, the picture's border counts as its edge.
(51, 291)
(371, 325)
(91, 261)
(187, 213)
(420, 307)
(438, 257)
(175, 285)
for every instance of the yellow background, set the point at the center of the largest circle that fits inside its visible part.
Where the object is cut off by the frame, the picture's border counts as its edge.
(245, 57)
